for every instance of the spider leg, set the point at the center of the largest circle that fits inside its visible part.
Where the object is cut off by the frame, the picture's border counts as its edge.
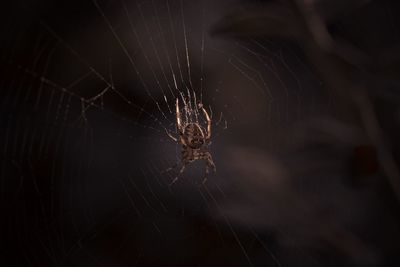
(173, 181)
(179, 123)
(206, 176)
(178, 117)
(208, 121)
(170, 135)
(209, 164)
(180, 172)
(170, 168)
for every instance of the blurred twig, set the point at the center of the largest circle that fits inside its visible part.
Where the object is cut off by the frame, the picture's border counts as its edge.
(342, 66)
(358, 93)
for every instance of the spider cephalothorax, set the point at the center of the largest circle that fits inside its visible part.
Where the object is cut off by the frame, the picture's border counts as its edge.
(193, 138)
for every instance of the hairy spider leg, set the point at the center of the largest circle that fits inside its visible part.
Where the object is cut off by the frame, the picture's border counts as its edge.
(179, 123)
(171, 136)
(209, 163)
(179, 174)
(208, 121)
(178, 117)
(170, 168)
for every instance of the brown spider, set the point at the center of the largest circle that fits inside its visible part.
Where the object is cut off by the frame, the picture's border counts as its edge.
(194, 139)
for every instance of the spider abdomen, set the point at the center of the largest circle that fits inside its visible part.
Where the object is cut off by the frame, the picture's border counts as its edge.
(194, 135)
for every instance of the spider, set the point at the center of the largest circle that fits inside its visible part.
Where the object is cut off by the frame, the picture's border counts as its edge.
(194, 140)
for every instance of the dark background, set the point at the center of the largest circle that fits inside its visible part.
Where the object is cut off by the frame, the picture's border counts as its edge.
(304, 135)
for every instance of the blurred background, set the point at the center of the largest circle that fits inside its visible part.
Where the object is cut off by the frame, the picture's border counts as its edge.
(304, 98)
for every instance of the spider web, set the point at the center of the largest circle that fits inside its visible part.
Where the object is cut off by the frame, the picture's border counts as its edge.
(86, 100)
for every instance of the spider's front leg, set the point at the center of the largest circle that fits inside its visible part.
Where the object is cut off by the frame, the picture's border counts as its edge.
(178, 117)
(179, 126)
(208, 136)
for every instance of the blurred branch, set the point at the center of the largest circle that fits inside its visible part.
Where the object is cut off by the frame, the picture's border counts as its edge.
(342, 66)
(358, 93)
